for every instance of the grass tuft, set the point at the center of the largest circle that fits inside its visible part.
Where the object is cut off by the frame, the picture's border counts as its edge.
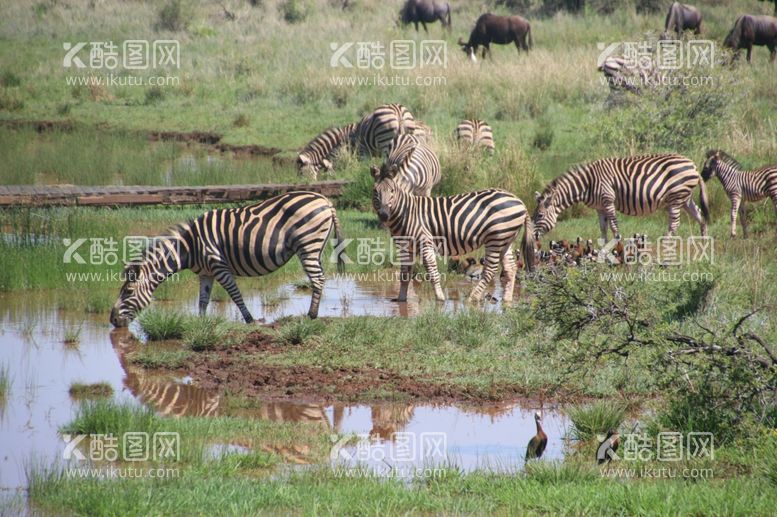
(204, 333)
(596, 419)
(162, 324)
(79, 390)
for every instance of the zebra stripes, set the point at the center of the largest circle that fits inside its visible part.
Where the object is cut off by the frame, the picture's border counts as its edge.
(316, 156)
(250, 241)
(413, 165)
(377, 130)
(475, 133)
(637, 185)
(459, 224)
(740, 184)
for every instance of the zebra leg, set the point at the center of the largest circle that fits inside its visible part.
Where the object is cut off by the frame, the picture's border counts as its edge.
(743, 216)
(693, 211)
(406, 256)
(508, 268)
(735, 204)
(603, 224)
(674, 219)
(206, 286)
(493, 255)
(613, 220)
(227, 281)
(430, 263)
(311, 264)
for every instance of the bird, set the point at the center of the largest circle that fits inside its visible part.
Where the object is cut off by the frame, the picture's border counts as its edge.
(610, 443)
(538, 442)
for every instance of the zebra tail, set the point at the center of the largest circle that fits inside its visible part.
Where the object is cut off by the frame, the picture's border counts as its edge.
(527, 244)
(704, 202)
(338, 240)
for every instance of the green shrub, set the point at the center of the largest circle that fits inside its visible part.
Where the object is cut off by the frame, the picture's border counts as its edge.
(172, 16)
(295, 11)
(109, 417)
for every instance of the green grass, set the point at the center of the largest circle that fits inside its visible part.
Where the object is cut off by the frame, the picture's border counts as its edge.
(80, 390)
(160, 325)
(5, 383)
(204, 333)
(149, 356)
(595, 420)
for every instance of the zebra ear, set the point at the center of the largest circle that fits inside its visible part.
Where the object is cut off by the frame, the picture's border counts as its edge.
(304, 159)
(537, 195)
(131, 271)
(393, 170)
(375, 173)
(327, 164)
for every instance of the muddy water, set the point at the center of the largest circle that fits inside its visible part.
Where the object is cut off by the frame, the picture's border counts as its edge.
(42, 368)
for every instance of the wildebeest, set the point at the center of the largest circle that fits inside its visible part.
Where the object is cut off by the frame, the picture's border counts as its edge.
(426, 11)
(502, 30)
(681, 17)
(752, 30)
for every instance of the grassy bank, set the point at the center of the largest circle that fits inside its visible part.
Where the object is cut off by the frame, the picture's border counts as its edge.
(240, 483)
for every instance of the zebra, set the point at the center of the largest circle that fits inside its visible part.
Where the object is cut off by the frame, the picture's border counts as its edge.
(423, 132)
(316, 156)
(475, 133)
(740, 184)
(223, 243)
(460, 224)
(376, 131)
(413, 165)
(636, 185)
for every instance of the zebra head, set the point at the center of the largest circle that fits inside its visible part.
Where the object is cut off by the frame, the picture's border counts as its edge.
(308, 167)
(711, 165)
(134, 295)
(385, 191)
(545, 215)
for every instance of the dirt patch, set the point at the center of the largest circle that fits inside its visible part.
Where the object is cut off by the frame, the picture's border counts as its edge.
(41, 126)
(247, 150)
(240, 370)
(198, 137)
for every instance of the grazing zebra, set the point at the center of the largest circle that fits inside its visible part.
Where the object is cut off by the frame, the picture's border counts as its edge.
(740, 184)
(377, 130)
(316, 156)
(250, 241)
(475, 133)
(413, 165)
(423, 132)
(637, 185)
(458, 224)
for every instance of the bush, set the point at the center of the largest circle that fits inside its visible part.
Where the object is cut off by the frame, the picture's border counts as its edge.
(172, 17)
(295, 11)
(300, 331)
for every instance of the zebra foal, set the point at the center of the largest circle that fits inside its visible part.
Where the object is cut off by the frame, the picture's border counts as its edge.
(461, 224)
(413, 165)
(740, 184)
(224, 243)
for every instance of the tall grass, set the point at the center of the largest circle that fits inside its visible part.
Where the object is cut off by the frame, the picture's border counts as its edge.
(594, 420)
(110, 417)
(5, 383)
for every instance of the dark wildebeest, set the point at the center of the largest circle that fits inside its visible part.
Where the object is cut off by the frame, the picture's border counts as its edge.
(426, 11)
(502, 30)
(681, 17)
(752, 30)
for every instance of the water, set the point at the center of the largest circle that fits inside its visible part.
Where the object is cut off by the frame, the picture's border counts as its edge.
(42, 368)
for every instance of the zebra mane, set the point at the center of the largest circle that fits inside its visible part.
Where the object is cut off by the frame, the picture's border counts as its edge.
(726, 158)
(173, 231)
